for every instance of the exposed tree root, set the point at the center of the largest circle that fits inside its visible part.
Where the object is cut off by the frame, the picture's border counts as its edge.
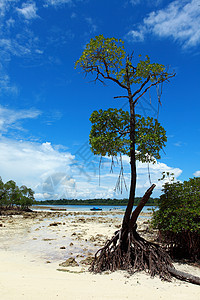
(137, 255)
(129, 251)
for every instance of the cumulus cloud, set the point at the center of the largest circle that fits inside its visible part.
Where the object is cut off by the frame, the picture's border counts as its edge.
(49, 171)
(145, 178)
(37, 165)
(154, 174)
(28, 10)
(180, 20)
(197, 174)
(147, 174)
(54, 173)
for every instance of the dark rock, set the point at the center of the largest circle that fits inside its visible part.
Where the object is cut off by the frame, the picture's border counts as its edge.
(87, 261)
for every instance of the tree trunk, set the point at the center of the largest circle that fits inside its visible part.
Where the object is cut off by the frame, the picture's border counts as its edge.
(130, 204)
(140, 206)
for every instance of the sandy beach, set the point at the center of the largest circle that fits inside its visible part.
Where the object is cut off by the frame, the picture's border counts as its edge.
(34, 246)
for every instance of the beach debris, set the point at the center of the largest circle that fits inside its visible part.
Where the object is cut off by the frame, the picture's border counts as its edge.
(70, 262)
(62, 247)
(55, 224)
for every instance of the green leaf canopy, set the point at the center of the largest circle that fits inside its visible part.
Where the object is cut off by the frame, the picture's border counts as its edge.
(110, 135)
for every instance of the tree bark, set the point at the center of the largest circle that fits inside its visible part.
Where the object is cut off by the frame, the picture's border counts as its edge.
(130, 204)
(184, 276)
(140, 206)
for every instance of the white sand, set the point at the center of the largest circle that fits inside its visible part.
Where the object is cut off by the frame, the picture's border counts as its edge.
(27, 244)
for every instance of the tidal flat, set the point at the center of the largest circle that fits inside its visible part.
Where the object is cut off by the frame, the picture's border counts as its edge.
(45, 255)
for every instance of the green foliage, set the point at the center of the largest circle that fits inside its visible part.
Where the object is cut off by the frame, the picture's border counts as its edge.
(150, 138)
(110, 135)
(107, 57)
(101, 51)
(109, 132)
(178, 216)
(11, 195)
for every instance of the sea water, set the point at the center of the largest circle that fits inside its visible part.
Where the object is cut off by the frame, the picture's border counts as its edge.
(84, 208)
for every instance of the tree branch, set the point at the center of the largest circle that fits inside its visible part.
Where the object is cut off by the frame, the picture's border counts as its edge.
(153, 84)
(96, 69)
(139, 90)
(116, 97)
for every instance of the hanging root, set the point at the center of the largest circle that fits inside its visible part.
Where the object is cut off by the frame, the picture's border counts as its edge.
(136, 254)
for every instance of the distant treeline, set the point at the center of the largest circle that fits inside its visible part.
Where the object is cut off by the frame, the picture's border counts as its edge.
(96, 202)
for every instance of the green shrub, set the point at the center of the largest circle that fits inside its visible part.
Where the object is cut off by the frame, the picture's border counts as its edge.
(178, 218)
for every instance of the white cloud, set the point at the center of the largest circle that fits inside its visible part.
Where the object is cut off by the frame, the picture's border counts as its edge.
(108, 180)
(146, 2)
(135, 2)
(16, 39)
(9, 118)
(28, 10)
(136, 36)
(197, 174)
(57, 2)
(155, 173)
(6, 86)
(5, 5)
(53, 173)
(35, 165)
(10, 22)
(180, 20)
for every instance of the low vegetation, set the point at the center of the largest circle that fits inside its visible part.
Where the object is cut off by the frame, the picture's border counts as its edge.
(178, 218)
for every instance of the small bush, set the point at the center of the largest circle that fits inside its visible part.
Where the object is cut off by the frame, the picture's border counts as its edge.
(178, 218)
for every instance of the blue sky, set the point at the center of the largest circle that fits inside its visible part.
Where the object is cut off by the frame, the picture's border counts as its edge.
(45, 104)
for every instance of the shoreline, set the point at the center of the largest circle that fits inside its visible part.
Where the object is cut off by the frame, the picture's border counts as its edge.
(33, 245)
